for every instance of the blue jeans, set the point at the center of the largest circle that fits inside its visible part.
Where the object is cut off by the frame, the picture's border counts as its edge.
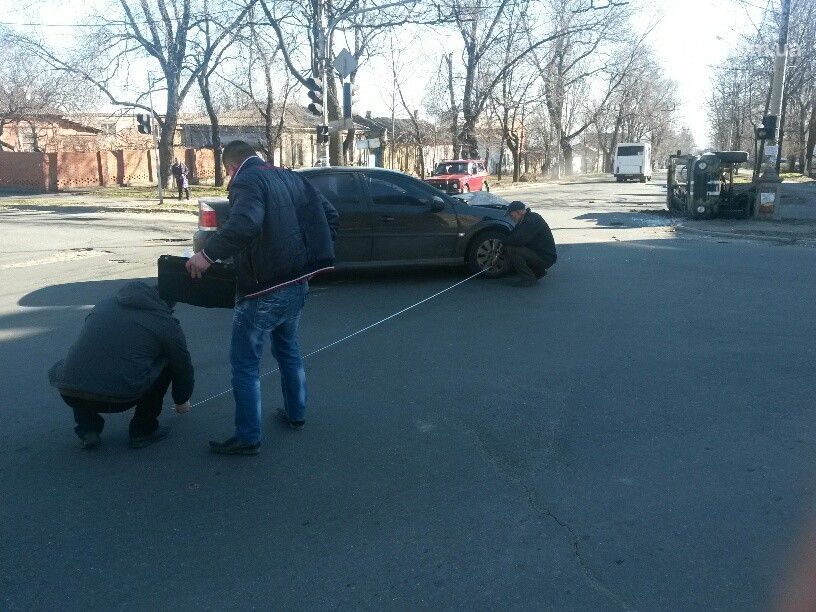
(278, 315)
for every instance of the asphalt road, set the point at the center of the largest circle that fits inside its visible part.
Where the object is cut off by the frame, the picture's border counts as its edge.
(634, 433)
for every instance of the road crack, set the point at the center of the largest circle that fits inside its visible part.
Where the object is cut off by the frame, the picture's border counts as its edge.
(511, 473)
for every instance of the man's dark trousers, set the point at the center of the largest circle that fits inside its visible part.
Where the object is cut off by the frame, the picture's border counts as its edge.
(528, 264)
(144, 421)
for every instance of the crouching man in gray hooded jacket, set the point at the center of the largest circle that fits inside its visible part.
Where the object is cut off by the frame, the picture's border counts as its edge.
(129, 351)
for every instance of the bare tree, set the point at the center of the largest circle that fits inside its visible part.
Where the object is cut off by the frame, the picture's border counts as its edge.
(29, 88)
(306, 20)
(511, 100)
(162, 30)
(210, 55)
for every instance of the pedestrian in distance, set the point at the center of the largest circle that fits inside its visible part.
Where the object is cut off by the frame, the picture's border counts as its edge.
(280, 233)
(129, 351)
(180, 172)
(530, 246)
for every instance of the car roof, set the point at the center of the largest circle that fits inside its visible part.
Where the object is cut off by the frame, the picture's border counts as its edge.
(320, 169)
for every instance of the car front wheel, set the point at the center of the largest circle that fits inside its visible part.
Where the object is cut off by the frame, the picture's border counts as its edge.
(482, 254)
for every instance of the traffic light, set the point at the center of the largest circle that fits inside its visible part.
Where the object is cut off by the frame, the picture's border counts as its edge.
(315, 95)
(349, 94)
(322, 134)
(143, 124)
(767, 131)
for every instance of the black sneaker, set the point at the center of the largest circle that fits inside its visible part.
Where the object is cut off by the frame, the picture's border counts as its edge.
(89, 440)
(142, 441)
(234, 446)
(284, 418)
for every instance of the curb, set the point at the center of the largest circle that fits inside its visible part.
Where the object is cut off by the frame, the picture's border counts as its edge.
(788, 238)
(99, 208)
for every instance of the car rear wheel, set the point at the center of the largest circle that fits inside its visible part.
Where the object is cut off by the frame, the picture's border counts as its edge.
(482, 253)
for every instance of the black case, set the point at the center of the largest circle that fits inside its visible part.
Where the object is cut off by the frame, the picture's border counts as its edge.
(216, 289)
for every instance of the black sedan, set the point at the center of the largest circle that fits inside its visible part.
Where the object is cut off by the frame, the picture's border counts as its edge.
(389, 219)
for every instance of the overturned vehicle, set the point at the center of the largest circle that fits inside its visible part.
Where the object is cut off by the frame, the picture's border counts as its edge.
(703, 187)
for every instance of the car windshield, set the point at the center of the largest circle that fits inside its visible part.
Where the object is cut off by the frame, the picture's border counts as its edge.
(627, 151)
(481, 198)
(451, 168)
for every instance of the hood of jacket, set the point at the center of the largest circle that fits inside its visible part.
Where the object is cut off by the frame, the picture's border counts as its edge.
(141, 296)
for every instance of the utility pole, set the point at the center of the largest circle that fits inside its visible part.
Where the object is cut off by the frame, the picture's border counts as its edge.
(153, 130)
(769, 184)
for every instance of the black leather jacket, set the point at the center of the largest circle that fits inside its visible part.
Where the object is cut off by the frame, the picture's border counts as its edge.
(533, 232)
(280, 229)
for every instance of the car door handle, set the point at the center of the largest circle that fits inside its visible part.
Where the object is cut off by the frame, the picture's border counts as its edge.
(387, 218)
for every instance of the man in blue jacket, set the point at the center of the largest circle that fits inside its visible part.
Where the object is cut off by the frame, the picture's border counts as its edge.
(280, 233)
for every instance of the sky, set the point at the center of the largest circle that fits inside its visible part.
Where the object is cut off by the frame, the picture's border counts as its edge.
(691, 37)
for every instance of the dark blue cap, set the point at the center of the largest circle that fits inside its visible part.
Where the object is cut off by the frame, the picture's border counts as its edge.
(515, 205)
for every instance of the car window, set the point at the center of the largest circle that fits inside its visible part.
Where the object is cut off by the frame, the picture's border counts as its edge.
(396, 190)
(339, 188)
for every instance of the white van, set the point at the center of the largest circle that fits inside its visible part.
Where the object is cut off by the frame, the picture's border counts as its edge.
(633, 160)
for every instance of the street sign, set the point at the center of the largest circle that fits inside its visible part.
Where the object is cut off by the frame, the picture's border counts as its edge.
(345, 63)
(371, 143)
(341, 124)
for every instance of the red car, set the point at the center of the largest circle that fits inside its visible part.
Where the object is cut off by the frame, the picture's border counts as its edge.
(459, 176)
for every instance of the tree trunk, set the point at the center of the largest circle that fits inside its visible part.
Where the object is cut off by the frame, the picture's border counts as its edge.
(514, 144)
(215, 128)
(454, 119)
(168, 132)
(811, 141)
(566, 149)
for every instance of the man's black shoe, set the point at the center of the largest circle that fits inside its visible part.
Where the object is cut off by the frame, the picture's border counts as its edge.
(284, 418)
(234, 446)
(89, 440)
(142, 441)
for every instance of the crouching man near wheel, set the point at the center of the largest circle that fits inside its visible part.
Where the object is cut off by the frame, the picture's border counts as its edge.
(530, 246)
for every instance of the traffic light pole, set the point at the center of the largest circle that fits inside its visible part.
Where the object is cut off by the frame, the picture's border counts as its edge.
(155, 140)
(768, 188)
(327, 32)
(325, 79)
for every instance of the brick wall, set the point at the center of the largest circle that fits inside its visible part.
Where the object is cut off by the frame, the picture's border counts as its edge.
(77, 170)
(24, 170)
(204, 164)
(135, 167)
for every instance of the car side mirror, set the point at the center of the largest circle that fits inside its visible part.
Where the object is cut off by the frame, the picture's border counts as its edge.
(437, 204)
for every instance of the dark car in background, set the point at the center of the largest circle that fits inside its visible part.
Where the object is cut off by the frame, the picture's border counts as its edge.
(388, 218)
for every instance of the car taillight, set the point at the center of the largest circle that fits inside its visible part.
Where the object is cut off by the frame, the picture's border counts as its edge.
(207, 219)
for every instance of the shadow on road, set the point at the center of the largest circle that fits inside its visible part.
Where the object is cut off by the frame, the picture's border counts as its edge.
(76, 294)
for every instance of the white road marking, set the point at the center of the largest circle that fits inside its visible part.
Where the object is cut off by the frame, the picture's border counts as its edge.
(58, 257)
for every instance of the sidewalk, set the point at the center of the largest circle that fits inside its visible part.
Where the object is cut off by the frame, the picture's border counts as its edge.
(784, 232)
(574, 179)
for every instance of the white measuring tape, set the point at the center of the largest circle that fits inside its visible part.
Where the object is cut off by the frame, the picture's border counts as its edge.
(360, 331)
